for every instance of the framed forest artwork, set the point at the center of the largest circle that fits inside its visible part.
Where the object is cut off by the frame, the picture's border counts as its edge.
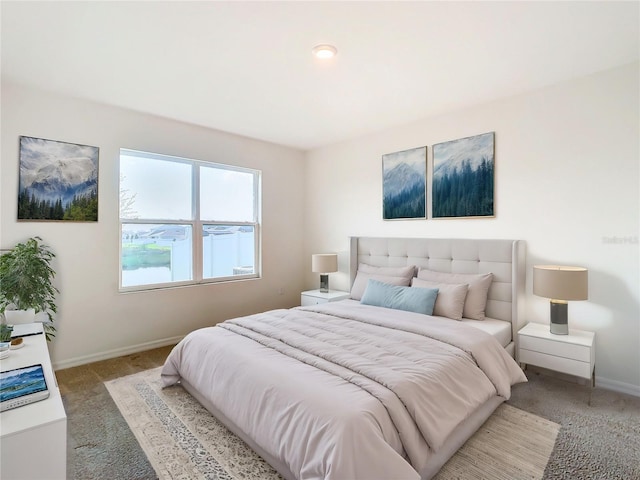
(404, 180)
(463, 177)
(58, 181)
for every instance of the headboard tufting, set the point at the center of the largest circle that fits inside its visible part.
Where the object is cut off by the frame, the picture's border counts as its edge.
(504, 258)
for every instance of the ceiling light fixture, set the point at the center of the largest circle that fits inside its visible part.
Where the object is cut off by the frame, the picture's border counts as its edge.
(325, 51)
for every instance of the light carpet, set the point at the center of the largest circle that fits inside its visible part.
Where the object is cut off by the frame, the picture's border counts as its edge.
(183, 441)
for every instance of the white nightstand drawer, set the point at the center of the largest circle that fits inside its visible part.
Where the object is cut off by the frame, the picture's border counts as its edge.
(316, 297)
(556, 348)
(306, 300)
(559, 364)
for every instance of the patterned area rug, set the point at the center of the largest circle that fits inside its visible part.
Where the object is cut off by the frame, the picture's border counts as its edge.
(183, 441)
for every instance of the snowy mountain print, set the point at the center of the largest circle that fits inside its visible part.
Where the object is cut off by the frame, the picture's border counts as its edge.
(404, 184)
(463, 177)
(58, 181)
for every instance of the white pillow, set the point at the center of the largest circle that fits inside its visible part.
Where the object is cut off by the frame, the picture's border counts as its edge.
(392, 275)
(476, 300)
(450, 299)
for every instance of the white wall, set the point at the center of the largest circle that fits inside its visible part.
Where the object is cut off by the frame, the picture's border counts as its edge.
(567, 182)
(94, 320)
(567, 177)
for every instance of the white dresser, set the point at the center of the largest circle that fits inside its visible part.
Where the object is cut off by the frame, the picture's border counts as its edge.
(33, 440)
(573, 354)
(315, 297)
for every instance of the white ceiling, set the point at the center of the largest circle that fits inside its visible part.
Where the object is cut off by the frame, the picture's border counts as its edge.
(247, 68)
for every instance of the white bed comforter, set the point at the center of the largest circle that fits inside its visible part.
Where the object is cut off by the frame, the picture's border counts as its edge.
(344, 390)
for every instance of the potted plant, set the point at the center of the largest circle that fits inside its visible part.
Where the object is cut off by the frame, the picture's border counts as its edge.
(26, 280)
(5, 339)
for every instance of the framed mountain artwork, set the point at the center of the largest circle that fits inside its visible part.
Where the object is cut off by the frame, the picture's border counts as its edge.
(58, 181)
(463, 178)
(404, 180)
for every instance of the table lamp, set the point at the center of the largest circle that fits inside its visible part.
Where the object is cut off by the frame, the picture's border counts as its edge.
(560, 284)
(324, 263)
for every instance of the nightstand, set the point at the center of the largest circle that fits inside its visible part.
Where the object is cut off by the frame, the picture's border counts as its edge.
(573, 354)
(315, 297)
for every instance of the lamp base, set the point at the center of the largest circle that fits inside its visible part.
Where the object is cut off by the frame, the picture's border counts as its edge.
(559, 323)
(324, 283)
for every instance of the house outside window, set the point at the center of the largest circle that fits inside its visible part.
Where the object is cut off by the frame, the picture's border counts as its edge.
(185, 222)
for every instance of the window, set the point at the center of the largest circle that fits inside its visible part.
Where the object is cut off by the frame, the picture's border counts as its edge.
(185, 222)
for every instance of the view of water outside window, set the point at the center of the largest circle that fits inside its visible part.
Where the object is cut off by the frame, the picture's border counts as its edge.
(154, 254)
(161, 252)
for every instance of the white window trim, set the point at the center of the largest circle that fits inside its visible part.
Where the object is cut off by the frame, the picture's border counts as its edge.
(197, 225)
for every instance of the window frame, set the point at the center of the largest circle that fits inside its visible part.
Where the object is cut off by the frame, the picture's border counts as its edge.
(197, 224)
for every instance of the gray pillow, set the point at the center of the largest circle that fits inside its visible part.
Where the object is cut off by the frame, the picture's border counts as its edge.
(476, 299)
(450, 300)
(392, 275)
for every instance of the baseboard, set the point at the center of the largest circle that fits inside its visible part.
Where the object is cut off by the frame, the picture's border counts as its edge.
(617, 386)
(601, 382)
(118, 352)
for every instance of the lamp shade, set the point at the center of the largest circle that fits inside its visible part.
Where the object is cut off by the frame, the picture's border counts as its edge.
(560, 282)
(324, 262)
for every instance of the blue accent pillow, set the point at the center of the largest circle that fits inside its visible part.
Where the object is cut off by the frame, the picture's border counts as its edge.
(418, 300)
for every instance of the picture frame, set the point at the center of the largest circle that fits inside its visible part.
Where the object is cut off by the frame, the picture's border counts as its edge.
(404, 184)
(58, 181)
(463, 180)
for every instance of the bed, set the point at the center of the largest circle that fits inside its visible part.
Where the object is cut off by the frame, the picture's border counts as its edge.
(355, 390)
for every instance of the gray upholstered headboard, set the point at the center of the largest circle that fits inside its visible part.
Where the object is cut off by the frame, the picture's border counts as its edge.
(504, 258)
